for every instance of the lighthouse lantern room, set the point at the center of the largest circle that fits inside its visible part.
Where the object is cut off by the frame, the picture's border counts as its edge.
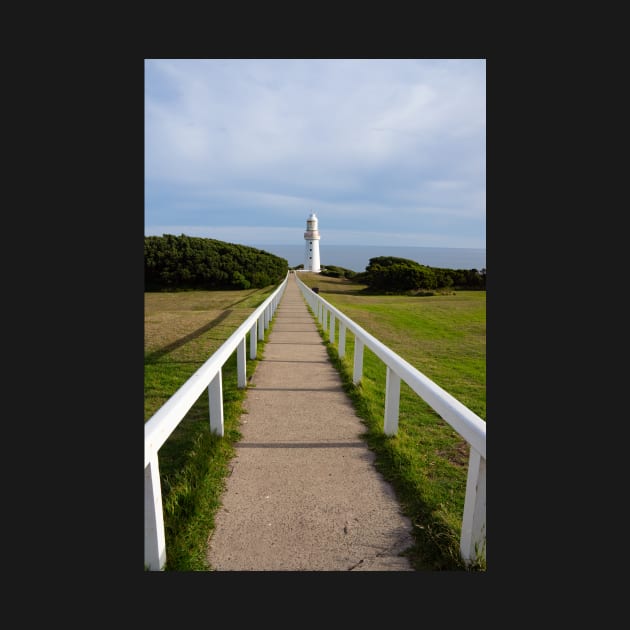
(311, 247)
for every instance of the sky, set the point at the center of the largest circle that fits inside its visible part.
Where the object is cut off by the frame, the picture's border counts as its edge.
(383, 151)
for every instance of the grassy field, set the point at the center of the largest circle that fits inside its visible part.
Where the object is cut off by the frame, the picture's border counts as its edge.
(426, 462)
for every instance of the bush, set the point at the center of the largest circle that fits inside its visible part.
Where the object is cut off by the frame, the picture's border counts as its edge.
(187, 262)
(401, 275)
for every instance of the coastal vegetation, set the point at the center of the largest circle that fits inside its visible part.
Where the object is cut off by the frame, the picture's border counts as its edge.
(389, 274)
(392, 275)
(175, 263)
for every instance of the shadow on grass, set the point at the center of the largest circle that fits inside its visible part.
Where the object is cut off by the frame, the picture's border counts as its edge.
(155, 356)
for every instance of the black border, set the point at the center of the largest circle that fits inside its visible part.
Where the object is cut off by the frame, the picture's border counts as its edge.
(107, 158)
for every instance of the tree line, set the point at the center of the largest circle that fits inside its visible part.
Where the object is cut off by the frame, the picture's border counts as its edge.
(189, 262)
(399, 275)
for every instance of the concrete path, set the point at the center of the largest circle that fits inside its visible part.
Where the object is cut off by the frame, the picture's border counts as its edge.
(303, 494)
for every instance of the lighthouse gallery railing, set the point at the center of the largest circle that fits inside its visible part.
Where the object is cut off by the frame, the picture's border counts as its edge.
(469, 425)
(158, 428)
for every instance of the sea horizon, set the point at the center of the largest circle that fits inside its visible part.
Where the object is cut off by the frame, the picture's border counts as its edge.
(357, 257)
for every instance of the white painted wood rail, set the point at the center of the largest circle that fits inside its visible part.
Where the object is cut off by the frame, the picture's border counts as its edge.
(468, 424)
(158, 428)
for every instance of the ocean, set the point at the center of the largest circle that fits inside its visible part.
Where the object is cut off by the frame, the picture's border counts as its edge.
(357, 257)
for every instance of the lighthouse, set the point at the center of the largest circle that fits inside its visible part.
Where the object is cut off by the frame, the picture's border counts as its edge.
(311, 247)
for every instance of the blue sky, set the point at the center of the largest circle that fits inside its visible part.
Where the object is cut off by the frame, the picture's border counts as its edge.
(384, 151)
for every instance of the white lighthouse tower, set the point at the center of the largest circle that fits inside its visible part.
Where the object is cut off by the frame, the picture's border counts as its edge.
(311, 247)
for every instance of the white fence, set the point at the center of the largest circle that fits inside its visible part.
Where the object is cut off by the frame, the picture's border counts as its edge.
(469, 425)
(158, 428)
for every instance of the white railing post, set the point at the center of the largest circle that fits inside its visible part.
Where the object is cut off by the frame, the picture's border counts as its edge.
(154, 540)
(392, 402)
(341, 350)
(241, 364)
(252, 342)
(332, 327)
(215, 394)
(261, 327)
(357, 371)
(473, 538)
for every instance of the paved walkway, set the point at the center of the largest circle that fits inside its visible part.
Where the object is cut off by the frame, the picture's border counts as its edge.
(303, 493)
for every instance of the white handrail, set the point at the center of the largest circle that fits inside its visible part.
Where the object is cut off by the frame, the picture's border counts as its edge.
(160, 426)
(468, 424)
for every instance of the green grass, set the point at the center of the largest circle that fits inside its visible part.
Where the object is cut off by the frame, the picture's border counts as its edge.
(182, 330)
(426, 462)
